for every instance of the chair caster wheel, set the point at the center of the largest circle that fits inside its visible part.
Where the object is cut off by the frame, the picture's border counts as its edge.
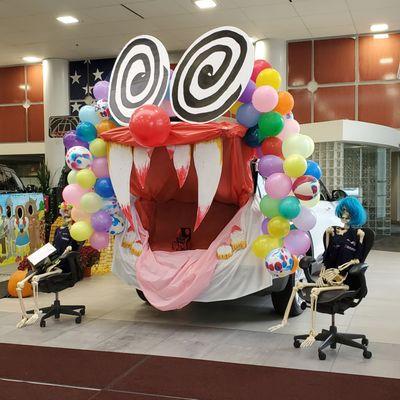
(333, 346)
(321, 355)
(296, 344)
(82, 312)
(367, 354)
(78, 320)
(42, 323)
(365, 342)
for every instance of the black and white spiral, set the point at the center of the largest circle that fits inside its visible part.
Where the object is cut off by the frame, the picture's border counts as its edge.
(140, 76)
(212, 74)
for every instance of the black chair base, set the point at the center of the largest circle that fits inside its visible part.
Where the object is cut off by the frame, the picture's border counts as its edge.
(332, 337)
(56, 309)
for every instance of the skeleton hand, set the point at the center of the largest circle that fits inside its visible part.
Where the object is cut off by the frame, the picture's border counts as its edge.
(276, 327)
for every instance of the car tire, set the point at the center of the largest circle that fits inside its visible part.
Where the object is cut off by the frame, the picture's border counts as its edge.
(281, 299)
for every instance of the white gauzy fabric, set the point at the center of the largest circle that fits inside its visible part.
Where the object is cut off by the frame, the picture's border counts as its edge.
(238, 276)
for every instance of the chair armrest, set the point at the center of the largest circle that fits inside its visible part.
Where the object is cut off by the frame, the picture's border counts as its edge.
(358, 269)
(305, 262)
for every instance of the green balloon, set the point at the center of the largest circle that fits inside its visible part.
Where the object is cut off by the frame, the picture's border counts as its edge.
(289, 207)
(270, 124)
(269, 207)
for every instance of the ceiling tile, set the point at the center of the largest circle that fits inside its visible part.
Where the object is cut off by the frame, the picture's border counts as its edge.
(156, 8)
(333, 31)
(327, 20)
(311, 7)
(221, 4)
(371, 4)
(270, 12)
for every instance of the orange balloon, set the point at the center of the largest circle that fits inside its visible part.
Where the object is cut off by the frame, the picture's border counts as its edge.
(285, 103)
(12, 284)
(105, 126)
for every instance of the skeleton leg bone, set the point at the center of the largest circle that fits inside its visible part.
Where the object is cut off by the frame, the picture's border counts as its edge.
(51, 271)
(298, 286)
(20, 287)
(315, 292)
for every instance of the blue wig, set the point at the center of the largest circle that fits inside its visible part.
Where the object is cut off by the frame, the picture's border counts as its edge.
(358, 216)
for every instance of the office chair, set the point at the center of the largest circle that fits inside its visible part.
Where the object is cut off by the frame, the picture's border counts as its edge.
(73, 272)
(338, 301)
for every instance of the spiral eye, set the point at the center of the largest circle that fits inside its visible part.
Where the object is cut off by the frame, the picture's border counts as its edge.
(212, 74)
(140, 76)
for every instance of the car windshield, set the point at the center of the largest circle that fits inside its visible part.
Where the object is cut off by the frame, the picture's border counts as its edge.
(9, 181)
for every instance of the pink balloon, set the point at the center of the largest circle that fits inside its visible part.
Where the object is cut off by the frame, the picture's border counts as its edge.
(297, 242)
(72, 194)
(306, 220)
(100, 167)
(265, 98)
(99, 240)
(290, 128)
(79, 215)
(278, 185)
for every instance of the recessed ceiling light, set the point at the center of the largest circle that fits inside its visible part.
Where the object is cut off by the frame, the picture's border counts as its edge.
(205, 3)
(68, 19)
(381, 36)
(379, 27)
(31, 59)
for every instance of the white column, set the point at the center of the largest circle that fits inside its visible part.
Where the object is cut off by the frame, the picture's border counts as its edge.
(274, 51)
(56, 102)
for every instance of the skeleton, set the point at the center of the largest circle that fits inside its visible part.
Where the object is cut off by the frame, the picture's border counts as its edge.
(37, 275)
(330, 279)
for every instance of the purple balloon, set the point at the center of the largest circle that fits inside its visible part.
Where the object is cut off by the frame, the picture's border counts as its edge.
(297, 242)
(69, 139)
(264, 226)
(101, 221)
(100, 167)
(100, 90)
(248, 92)
(269, 165)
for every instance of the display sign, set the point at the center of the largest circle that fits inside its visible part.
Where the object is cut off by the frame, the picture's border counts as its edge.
(60, 125)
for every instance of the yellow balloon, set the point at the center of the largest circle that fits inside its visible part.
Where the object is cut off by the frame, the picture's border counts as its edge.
(311, 203)
(81, 231)
(295, 165)
(90, 203)
(71, 178)
(98, 147)
(86, 178)
(298, 144)
(264, 244)
(278, 227)
(235, 107)
(270, 77)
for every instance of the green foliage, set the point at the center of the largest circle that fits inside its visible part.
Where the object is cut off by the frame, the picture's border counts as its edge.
(43, 175)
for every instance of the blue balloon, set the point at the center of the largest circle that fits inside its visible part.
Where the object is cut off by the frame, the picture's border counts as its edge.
(103, 187)
(247, 115)
(251, 138)
(89, 114)
(313, 169)
(86, 131)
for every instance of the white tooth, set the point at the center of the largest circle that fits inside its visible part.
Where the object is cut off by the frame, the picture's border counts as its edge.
(207, 158)
(181, 159)
(141, 159)
(120, 160)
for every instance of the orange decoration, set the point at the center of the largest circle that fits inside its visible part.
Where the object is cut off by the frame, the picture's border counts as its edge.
(285, 103)
(105, 126)
(295, 264)
(12, 284)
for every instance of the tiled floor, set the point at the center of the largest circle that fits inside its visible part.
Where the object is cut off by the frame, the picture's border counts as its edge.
(117, 320)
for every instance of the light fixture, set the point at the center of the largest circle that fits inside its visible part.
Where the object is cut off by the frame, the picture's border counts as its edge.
(379, 27)
(381, 36)
(67, 19)
(24, 87)
(205, 3)
(388, 60)
(31, 59)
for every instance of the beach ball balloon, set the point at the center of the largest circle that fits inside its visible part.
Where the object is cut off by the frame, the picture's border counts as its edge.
(117, 225)
(78, 157)
(306, 187)
(279, 263)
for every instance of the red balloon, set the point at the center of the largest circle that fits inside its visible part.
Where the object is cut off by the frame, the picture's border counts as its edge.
(272, 146)
(259, 65)
(150, 125)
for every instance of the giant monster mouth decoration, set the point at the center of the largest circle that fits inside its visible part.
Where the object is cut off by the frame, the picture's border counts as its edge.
(198, 178)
